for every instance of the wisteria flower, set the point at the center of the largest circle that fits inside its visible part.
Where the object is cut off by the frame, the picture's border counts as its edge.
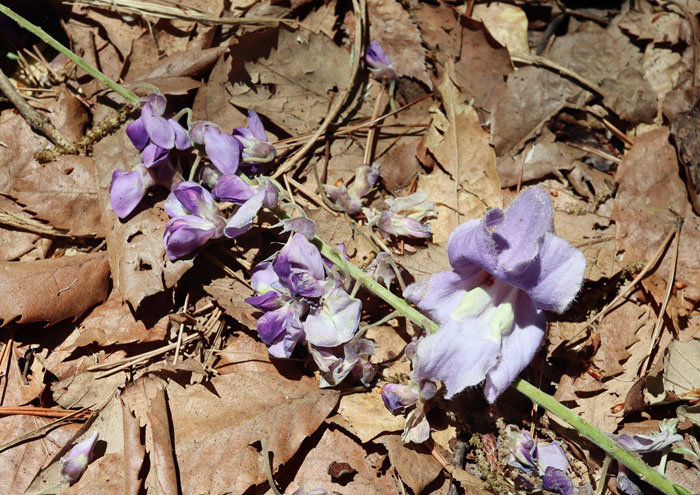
(250, 197)
(222, 149)
(508, 268)
(405, 216)
(74, 464)
(152, 126)
(195, 219)
(128, 188)
(350, 198)
(256, 147)
(352, 358)
(379, 63)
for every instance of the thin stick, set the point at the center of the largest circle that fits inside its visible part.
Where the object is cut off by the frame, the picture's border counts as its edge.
(36, 120)
(182, 329)
(372, 130)
(38, 411)
(669, 289)
(629, 288)
(600, 489)
(5, 361)
(268, 467)
(359, 6)
(39, 431)
(313, 197)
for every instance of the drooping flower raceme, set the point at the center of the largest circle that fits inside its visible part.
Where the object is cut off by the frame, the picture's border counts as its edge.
(507, 269)
(74, 464)
(378, 63)
(256, 147)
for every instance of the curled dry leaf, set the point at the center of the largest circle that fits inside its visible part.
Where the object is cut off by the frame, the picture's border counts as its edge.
(54, 289)
(218, 425)
(507, 23)
(680, 378)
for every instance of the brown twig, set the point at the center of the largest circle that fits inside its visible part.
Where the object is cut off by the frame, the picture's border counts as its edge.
(360, 8)
(5, 361)
(669, 289)
(41, 411)
(367, 160)
(37, 121)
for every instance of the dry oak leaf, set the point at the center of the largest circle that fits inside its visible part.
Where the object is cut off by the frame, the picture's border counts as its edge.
(52, 290)
(462, 148)
(63, 193)
(507, 23)
(367, 416)
(414, 464)
(217, 426)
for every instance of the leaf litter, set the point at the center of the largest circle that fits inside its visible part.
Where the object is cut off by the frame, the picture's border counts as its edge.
(598, 110)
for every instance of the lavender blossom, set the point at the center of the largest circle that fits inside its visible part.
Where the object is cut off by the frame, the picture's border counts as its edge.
(251, 199)
(195, 219)
(334, 321)
(337, 363)
(508, 268)
(75, 463)
(128, 188)
(379, 63)
(397, 397)
(222, 149)
(152, 126)
(350, 198)
(405, 216)
(300, 265)
(256, 147)
(556, 481)
(302, 225)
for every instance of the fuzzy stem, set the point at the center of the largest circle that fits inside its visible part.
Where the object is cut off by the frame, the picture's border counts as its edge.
(634, 463)
(44, 36)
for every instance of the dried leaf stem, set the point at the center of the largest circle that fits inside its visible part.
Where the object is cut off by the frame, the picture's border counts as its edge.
(592, 433)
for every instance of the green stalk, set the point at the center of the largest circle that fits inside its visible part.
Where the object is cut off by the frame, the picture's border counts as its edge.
(634, 463)
(46, 37)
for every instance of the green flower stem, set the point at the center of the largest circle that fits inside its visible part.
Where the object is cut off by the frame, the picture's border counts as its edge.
(634, 463)
(44, 36)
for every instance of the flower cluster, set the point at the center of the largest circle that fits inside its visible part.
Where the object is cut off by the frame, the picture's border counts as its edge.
(303, 303)
(546, 462)
(196, 214)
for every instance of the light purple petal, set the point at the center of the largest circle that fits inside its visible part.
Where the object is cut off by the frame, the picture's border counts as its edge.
(653, 442)
(398, 397)
(73, 465)
(222, 149)
(397, 224)
(173, 207)
(555, 278)
(232, 188)
(243, 219)
(335, 321)
(519, 236)
(183, 235)
(303, 225)
(471, 244)
(517, 347)
(126, 191)
(341, 198)
(459, 355)
(196, 131)
(300, 264)
(375, 54)
(137, 133)
(442, 293)
(269, 301)
(158, 128)
(272, 324)
(157, 102)
(551, 455)
(182, 142)
(283, 345)
(556, 481)
(193, 197)
(256, 126)
(625, 483)
(153, 155)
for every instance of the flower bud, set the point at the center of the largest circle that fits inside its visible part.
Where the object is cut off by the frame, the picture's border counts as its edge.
(74, 464)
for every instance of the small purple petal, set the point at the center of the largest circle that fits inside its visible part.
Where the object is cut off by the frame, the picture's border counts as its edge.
(194, 198)
(302, 225)
(556, 481)
(398, 397)
(341, 197)
(471, 244)
(185, 234)
(243, 219)
(222, 149)
(182, 142)
(268, 301)
(397, 224)
(157, 102)
(300, 264)
(137, 133)
(75, 463)
(379, 63)
(552, 455)
(126, 191)
(158, 128)
(256, 127)
(627, 482)
(335, 321)
(264, 278)
(232, 188)
(153, 155)
(196, 131)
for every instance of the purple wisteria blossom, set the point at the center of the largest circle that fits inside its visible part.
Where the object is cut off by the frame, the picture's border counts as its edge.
(337, 363)
(128, 188)
(405, 216)
(256, 146)
(379, 63)
(222, 149)
(194, 219)
(152, 127)
(74, 464)
(250, 197)
(508, 268)
(349, 199)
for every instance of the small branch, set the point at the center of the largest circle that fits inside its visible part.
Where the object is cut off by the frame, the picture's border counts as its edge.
(36, 120)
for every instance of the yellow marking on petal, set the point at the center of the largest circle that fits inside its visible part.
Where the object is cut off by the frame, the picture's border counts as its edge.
(502, 321)
(472, 302)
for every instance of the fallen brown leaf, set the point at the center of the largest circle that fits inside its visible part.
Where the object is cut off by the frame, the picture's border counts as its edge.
(416, 467)
(52, 290)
